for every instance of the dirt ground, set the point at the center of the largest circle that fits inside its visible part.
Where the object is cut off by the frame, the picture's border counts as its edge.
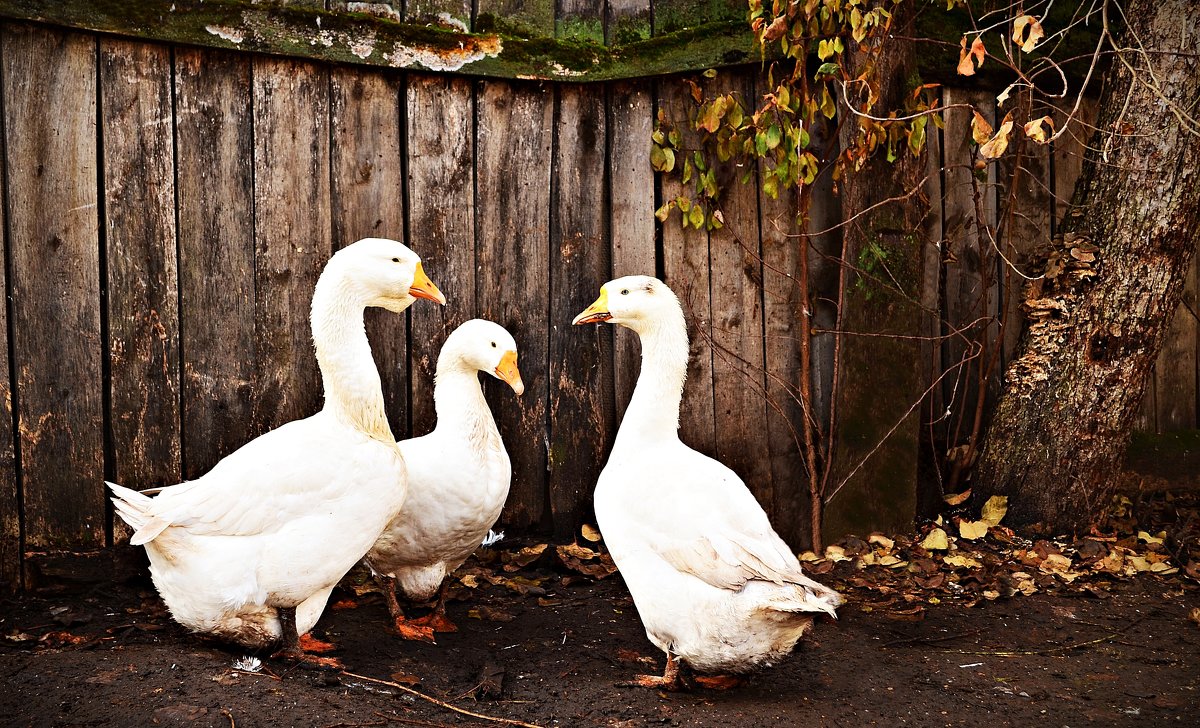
(942, 627)
(1055, 658)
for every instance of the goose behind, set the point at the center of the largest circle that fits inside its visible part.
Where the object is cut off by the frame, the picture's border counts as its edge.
(250, 551)
(459, 476)
(717, 589)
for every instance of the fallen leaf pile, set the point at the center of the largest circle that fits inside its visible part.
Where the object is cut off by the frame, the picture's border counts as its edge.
(967, 560)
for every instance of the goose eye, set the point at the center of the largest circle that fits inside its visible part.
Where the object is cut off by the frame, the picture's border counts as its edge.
(493, 345)
(625, 292)
(395, 260)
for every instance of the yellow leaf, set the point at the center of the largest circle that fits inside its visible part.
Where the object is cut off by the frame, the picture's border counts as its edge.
(961, 560)
(836, 553)
(972, 530)
(981, 130)
(1143, 536)
(1055, 562)
(994, 510)
(936, 540)
(808, 556)
(1027, 40)
(1035, 129)
(590, 532)
(880, 540)
(955, 499)
(997, 144)
(892, 561)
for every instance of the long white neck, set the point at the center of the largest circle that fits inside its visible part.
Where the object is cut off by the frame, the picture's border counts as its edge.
(459, 404)
(653, 412)
(353, 392)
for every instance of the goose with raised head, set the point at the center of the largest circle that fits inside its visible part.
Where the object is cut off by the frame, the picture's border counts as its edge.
(716, 588)
(250, 551)
(458, 479)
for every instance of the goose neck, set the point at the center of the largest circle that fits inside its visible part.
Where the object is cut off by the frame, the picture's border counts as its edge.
(460, 406)
(353, 390)
(653, 412)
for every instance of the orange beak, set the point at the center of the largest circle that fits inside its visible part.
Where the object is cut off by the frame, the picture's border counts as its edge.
(422, 287)
(596, 313)
(507, 370)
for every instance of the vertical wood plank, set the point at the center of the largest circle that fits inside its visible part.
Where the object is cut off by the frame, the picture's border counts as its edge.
(735, 265)
(143, 288)
(292, 233)
(459, 10)
(10, 498)
(1027, 197)
(581, 407)
(686, 271)
(367, 200)
(627, 21)
(966, 249)
(929, 489)
(215, 148)
(441, 193)
(512, 246)
(55, 267)
(631, 183)
(1175, 370)
(525, 17)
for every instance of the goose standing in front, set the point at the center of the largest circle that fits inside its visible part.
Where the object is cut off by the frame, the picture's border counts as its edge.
(250, 551)
(717, 589)
(458, 479)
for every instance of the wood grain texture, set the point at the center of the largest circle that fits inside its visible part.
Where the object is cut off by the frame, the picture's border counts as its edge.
(627, 21)
(631, 194)
(524, 17)
(1175, 370)
(367, 200)
(143, 286)
(966, 252)
(735, 265)
(512, 246)
(686, 271)
(458, 9)
(54, 250)
(10, 497)
(441, 215)
(292, 234)
(581, 393)
(215, 150)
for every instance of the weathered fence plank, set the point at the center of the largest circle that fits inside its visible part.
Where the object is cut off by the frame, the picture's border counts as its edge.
(143, 288)
(581, 393)
(969, 291)
(512, 244)
(631, 195)
(367, 200)
(686, 270)
(10, 499)
(1175, 370)
(54, 262)
(215, 153)
(735, 265)
(441, 193)
(292, 233)
(627, 21)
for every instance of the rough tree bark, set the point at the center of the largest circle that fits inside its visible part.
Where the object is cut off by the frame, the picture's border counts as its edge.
(1098, 317)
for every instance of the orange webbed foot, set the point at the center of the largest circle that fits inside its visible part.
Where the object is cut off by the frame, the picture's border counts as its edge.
(308, 643)
(409, 630)
(718, 682)
(436, 621)
(303, 658)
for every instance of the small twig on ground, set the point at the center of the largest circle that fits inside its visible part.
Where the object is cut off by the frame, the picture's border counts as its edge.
(440, 703)
(930, 640)
(229, 714)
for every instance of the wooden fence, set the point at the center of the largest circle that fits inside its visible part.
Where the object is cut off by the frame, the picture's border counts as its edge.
(167, 209)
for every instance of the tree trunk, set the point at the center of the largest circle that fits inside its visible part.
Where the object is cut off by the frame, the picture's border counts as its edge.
(1098, 317)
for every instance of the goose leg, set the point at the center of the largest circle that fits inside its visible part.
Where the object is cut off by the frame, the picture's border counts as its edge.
(437, 619)
(673, 678)
(292, 649)
(406, 628)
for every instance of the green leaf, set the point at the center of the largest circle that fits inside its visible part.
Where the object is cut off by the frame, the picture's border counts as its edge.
(658, 158)
(664, 212)
(684, 203)
(760, 143)
(687, 171)
(770, 185)
(916, 137)
(696, 215)
(658, 137)
(673, 138)
(710, 73)
(828, 107)
(827, 69)
(773, 136)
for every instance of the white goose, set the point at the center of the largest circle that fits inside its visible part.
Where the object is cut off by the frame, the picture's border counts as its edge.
(458, 478)
(716, 587)
(250, 551)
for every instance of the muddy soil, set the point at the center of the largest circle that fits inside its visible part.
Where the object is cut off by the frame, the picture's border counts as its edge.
(1055, 658)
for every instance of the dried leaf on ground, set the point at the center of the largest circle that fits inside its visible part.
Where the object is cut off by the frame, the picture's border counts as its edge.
(957, 499)
(936, 540)
(972, 530)
(515, 560)
(993, 511)
(590, 532)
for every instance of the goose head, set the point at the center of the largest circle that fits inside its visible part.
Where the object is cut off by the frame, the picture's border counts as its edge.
(385, 273)
(635, 302)
(486, 347)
